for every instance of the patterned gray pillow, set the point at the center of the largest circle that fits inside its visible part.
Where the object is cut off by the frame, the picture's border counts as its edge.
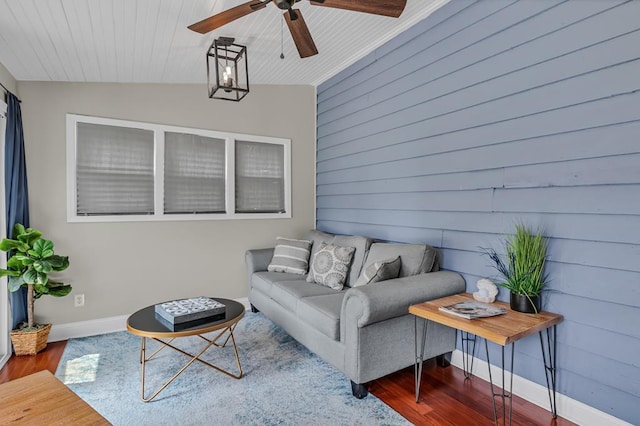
(330, 265)
(290, 256)
(380, 271)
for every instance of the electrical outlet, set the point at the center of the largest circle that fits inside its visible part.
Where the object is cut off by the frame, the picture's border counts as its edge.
(78, 301)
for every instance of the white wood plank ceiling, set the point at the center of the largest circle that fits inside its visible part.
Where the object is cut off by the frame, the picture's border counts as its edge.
(147, 41)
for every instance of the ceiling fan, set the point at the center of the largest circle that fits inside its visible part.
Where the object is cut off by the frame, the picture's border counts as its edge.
(298, 28)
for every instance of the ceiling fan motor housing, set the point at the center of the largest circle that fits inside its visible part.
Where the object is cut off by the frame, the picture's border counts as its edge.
(284, 4)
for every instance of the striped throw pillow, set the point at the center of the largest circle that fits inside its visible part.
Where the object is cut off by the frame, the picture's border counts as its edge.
(291, 256)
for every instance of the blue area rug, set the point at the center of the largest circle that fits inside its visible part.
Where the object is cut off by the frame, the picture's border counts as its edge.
(283, 382)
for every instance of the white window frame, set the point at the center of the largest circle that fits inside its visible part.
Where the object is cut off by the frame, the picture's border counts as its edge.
(159, 132)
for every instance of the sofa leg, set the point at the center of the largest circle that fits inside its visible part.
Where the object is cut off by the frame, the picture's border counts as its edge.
(444, 360)
(359, 390)
(254, 309)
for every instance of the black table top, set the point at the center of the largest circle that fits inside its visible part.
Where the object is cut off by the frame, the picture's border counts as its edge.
(144, 322)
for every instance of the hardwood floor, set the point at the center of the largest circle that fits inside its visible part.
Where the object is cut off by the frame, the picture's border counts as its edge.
(446, 398)
(20, 366)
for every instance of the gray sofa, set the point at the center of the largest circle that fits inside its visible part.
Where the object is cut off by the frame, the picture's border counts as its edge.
(365, 331)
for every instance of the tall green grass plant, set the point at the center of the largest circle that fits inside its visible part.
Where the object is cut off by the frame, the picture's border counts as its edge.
(523, 272)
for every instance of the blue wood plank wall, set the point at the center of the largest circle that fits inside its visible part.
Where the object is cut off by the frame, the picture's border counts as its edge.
(493, 112)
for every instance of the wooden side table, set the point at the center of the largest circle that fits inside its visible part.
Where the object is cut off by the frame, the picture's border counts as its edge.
(502, 329)
(42, 399)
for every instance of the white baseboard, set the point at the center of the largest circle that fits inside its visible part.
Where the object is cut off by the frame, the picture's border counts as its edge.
(98, 326)
(245, 302)
(87, 328)
(567, 407)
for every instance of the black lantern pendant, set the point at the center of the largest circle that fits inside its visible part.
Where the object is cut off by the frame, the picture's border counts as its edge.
(227, 70)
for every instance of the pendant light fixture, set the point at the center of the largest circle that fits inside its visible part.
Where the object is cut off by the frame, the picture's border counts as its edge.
(227, 70)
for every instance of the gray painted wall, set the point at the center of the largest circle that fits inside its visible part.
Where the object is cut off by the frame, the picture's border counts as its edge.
(124, 266)
(493, 112)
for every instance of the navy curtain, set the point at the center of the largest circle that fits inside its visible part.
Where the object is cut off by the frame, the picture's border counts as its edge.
(16, 196)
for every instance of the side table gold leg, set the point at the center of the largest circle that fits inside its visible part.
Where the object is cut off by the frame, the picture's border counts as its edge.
(142, 362)
(192, 359)
(211, 343)
(235, 351)
(142, 350)
(159, 349)
(215, 339)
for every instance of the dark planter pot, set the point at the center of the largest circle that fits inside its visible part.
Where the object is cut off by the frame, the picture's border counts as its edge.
(521, 303)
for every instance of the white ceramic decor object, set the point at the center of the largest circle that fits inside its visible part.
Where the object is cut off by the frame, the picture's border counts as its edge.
(487, 291)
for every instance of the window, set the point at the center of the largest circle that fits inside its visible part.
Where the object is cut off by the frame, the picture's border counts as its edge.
(259, 177)
(114, 170)
(194, 174)
(126, 171)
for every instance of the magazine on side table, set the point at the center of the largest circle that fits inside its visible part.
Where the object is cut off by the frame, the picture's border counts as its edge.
(471, 310)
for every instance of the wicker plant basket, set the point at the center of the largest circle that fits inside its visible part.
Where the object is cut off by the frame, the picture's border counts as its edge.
(30, 342)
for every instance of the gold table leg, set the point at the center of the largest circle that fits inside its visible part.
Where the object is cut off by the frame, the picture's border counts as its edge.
(196, 357)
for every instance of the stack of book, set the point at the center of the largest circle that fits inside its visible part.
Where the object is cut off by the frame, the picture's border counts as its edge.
(185, 313)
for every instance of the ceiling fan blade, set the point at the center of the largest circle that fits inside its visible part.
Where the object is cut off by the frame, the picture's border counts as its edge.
(223, 18)
(392, 8)
(300, 33)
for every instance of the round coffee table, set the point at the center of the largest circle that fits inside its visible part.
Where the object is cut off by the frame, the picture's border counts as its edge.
(145, 324)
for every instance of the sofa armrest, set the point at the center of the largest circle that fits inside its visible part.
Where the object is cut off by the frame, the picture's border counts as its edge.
(389, 299)
(258, 260)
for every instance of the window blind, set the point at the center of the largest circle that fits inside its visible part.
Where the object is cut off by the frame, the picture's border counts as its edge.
(259, 175)
(194, 174)
(114, 170)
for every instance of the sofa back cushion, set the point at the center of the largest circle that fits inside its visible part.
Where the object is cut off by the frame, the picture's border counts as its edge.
(316, 237)
(415, 258)
(431, 262)
(361, 245)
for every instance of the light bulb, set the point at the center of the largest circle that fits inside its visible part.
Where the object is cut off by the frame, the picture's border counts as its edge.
(227, 81)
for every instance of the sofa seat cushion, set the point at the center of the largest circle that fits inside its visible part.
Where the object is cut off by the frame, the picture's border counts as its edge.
(264, 280)
(288, 293)
(322, 313)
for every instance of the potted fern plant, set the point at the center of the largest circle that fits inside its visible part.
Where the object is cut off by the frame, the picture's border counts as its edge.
(31, 259)
(523, 273)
